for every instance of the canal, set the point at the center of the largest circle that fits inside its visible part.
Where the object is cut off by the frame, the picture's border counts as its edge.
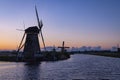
(78, 67)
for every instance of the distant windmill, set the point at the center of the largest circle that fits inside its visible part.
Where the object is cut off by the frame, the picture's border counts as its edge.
(118, 48)
(63, 47)
(31, 50)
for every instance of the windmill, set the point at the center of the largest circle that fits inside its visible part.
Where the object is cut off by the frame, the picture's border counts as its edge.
(31, 51)
(63, 47)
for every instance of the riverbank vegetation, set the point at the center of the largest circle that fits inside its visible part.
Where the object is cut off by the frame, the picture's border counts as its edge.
(55, 56)
(105, 53)
(47, 56)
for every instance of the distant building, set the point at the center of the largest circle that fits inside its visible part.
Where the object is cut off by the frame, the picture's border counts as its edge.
(113, 49)
(118, 49)
(98, 48)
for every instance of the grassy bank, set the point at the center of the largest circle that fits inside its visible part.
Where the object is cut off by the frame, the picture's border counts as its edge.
(47, 56)
(110, 54)
(99, 53)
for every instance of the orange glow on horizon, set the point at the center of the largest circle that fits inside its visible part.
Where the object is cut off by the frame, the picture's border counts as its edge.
(4, 45)
(7, 46)
(11, 42)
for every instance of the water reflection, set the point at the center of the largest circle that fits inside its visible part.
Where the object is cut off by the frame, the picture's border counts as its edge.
(31, 72)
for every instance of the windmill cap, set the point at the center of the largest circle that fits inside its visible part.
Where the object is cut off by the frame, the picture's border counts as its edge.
(33, 29)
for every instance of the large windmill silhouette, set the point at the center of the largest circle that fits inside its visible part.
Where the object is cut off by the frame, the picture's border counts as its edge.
(31, 51)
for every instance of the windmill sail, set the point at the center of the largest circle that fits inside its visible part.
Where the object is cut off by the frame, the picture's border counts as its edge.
(20, 43)
(38, 18)
(40, 24)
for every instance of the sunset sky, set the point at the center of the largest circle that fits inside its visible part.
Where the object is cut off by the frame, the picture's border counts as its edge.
(77, 22)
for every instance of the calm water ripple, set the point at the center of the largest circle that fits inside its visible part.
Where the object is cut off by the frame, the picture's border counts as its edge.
(78, 67)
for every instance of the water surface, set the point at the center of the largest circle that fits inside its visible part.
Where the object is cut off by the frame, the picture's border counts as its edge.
(78, 67)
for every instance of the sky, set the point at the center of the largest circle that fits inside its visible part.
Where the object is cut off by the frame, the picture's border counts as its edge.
(77, 22)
